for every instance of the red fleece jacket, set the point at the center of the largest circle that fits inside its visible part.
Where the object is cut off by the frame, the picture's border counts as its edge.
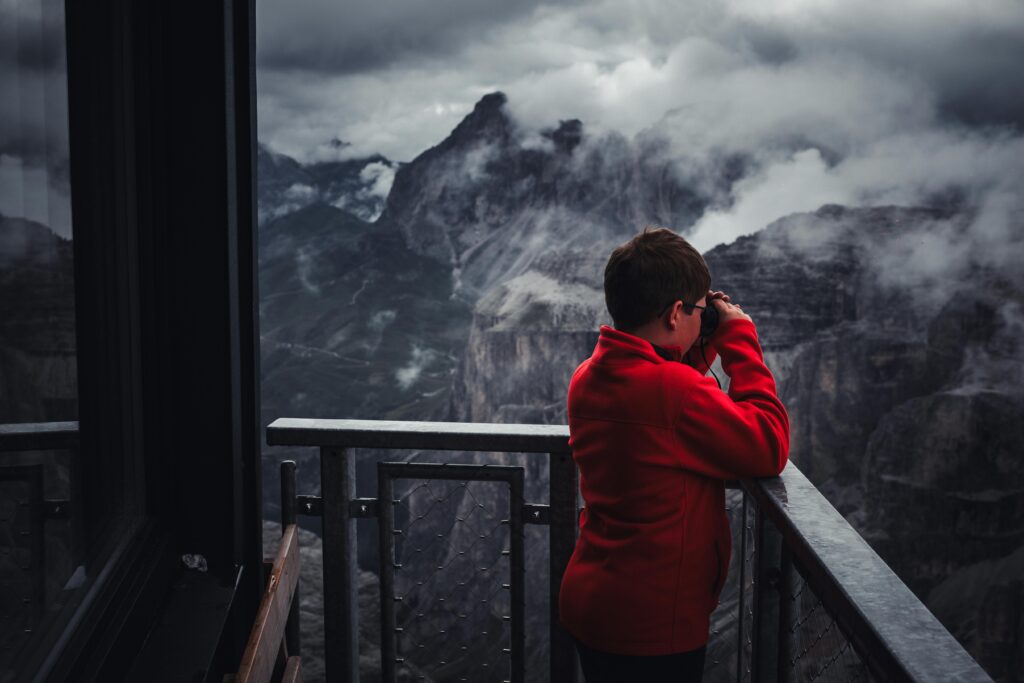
(654, 441)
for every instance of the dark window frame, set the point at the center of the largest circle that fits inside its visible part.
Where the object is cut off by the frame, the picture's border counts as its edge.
(162, 135)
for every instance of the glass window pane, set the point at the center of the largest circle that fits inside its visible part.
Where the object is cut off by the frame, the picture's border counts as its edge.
(42, 570)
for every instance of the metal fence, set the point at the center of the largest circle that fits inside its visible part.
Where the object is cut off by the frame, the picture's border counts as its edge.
(460, 597)
(811, 601)
(784, 630)
(29, 571)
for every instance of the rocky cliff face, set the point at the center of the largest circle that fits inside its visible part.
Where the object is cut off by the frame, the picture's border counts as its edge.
(528, 334)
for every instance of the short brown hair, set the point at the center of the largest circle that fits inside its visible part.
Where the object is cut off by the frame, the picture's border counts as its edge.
(652, 270)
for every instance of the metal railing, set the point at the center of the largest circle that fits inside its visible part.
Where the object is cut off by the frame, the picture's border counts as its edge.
(814, 602)
(25, 512)
(340, 508)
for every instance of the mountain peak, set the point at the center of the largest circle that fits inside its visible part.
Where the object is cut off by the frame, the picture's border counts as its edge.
(491, 101)
(487, 121)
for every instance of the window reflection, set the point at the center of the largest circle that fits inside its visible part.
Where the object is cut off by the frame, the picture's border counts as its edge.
(42, 570)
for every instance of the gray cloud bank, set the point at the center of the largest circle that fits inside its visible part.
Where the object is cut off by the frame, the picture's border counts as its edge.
(395, 77)
(871, 103)
(363, 35)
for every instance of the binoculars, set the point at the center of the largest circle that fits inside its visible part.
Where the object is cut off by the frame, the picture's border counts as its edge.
(708, 320)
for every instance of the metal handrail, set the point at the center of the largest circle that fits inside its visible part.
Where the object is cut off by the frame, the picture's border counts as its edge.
(896, 635)
(38, 436)
(442, 436)
(893, 632)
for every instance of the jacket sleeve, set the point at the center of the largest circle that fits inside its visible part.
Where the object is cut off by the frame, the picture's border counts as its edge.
(744, 433)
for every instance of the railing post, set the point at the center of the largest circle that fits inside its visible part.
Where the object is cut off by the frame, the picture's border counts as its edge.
(388, 560)
(786, 605)
(78, 545)
(341, 573)
(517, 584)
(564, 525)
(765, 633)
(742, 597)
(289, 516)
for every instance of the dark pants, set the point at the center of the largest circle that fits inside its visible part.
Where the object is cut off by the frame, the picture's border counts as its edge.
(604, 667)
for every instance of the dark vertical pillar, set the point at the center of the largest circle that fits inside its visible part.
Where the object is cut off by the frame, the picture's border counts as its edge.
(199, 253)
(564, 527)
(77, 508)
(36, 534)
(741, 606)
(239, 72)
(104, 200)
(386, 537)
(787, 606)
(289, 516)
(517, 585)
(243, 289)
(766, 600)
(341, 573)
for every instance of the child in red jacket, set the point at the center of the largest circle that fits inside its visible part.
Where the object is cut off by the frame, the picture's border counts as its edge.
(654, 439)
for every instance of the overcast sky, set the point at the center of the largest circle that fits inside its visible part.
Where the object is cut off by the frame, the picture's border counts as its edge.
(394, 76)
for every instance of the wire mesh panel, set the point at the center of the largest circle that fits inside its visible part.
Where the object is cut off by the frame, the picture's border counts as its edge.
(21, 549)
(792, 635)
(452, 579)
(817, 650)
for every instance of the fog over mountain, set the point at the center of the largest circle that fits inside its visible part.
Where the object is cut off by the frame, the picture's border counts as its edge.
(868, 103)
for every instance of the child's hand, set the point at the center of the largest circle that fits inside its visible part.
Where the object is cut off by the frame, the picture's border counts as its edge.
(726, 309)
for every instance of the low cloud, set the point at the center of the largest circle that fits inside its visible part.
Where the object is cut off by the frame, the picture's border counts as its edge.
(305, 262)
(801, 182)
(379, 176)
(36, 193)
(409, 374)
(367, 202)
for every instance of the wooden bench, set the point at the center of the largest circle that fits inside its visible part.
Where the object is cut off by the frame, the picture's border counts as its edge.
(267, 651)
